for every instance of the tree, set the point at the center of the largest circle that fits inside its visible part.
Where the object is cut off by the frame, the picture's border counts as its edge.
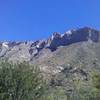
(20, 81)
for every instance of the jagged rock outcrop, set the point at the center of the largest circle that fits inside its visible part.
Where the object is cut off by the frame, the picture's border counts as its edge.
(29, 49)
(73, 36)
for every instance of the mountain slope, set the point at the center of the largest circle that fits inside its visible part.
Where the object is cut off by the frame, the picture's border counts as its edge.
(68, 61)
(76, 49)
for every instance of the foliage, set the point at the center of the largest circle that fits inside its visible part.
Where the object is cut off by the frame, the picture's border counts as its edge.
(20, 81)
(55, 93)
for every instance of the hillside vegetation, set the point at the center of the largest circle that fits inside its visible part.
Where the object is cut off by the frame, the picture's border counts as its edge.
(23, 81)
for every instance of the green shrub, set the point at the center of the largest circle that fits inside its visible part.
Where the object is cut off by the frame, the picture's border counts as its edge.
(20, 81)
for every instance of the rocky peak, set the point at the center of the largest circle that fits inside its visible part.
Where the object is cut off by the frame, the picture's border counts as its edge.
(56, 35)
(73, 36)
(57, 39)
(52, 43)
(41, 44)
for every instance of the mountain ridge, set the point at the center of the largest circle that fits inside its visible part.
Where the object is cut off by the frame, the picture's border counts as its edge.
(29, 50)
(63, 59)
(57, 39)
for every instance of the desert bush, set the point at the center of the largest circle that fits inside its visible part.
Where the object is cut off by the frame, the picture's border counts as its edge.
(20, 81)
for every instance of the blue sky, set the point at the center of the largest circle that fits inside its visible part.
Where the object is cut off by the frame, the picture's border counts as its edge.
(38, 19)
